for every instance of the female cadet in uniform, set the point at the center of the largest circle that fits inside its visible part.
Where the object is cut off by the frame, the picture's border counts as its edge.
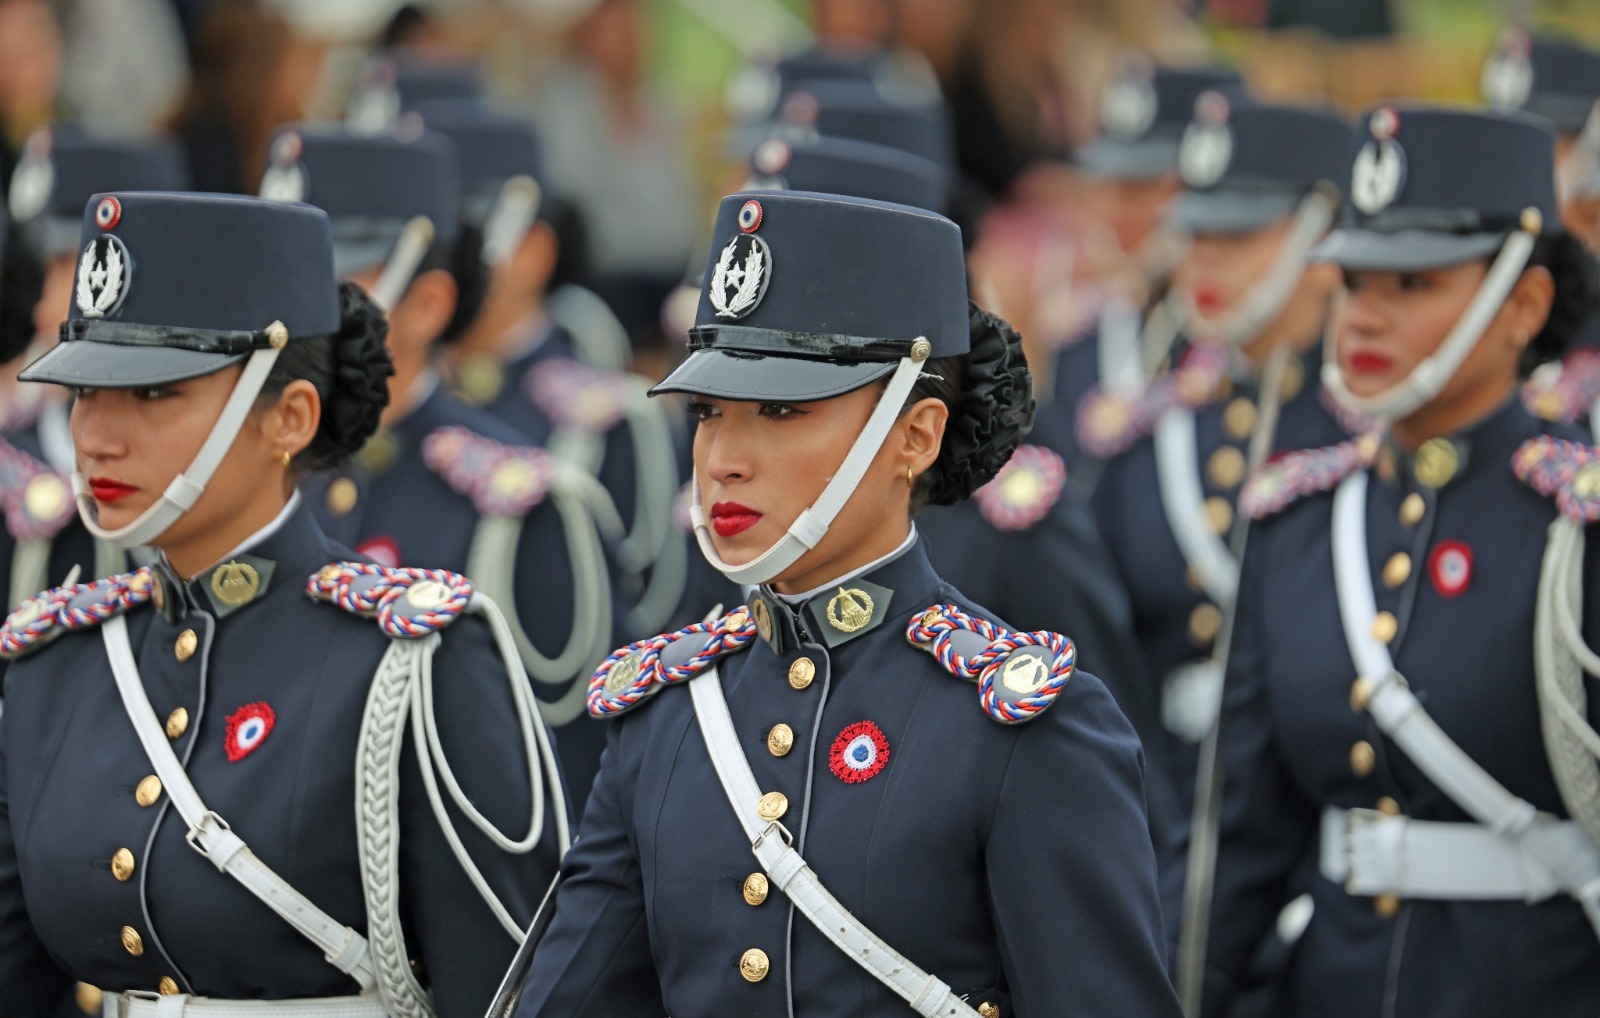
(1403, 711)
(205, 789)
(840, 381)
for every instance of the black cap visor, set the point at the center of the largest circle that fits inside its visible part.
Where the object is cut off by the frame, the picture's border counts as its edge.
(1231, 211)
(767, 378)
(1145, 159)
(97, 364)
(1405, 250)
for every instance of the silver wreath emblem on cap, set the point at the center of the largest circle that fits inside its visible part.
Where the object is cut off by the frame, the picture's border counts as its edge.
(740, 279)
(1128, 107)
(1508, 74)
(103, 276)
(34, 179)
(1205, 153)
(1379, 172)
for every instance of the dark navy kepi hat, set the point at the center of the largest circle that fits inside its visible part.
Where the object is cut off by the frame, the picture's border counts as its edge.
(1144, 110)
(370, 185)
(173, 286)
(857, 168)
(62, 167)
(1246, 166)
(810, 296)
(1435, 187)
(1556, 79)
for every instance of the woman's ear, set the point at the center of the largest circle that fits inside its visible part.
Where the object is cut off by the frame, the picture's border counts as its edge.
(922, 433)
(1529, 303)
(291, 423)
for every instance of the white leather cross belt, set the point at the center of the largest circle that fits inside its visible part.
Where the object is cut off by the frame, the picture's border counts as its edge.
(1371, 853)
(182, 1005)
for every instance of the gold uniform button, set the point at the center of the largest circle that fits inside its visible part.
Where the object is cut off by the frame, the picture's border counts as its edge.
(755, 889)
(177, 723)
(1294, 379)
(148, 791)
(132, 942)
(1204, 624)
(186, 645)
(1388, 807)
(122, 865)
(802, 672)
(754, 966)
(1397, 570)
(1360, 694)
(1436, 462)
(1219, 513)
(168, 986)
(1363, 758)
(342, 496)
(1384, 627)
(1239, 419)
(1387, 906)
(772, 805)
(90, 999)
(988, 1009)
(1226, 467)
(780, 740)
(1412, 509)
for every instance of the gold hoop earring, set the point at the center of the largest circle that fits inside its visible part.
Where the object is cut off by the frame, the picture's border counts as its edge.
(911, 480)
(288, 457)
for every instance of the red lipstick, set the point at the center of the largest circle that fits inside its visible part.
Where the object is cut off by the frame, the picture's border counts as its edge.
(1207, 299)
(1368, 363)
(729, 518)
(107, 491)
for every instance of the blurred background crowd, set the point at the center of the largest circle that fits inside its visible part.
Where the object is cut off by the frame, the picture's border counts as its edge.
(633, 97)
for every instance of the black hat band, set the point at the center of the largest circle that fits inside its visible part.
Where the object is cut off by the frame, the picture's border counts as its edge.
(218, 341)
(780, 343)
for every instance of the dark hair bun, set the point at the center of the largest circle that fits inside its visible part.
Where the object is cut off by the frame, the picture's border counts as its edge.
(995, 414)
(1577, 298)
(362, 368)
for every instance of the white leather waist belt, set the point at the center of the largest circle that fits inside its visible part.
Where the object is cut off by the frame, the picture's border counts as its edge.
(139, 1004)
(1371, 853)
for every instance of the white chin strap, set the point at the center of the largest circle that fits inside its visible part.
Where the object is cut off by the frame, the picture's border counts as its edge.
(416, 237)
(510, 219)
(812, 524)
(186, 489)
(1429, 378)
(1267, 299)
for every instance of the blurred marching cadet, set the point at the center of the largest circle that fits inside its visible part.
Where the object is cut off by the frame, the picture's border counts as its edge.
(31, 60)
(1408, 703)
(1131, 177)
(1560, 81)
(61, 168)
(335, 864)
(534, 348)
(392, 85)
(829, 412)
(1262, 187)
(1018, 546)
(441, 483)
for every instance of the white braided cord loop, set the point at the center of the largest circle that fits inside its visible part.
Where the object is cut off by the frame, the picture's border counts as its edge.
(1560, 660)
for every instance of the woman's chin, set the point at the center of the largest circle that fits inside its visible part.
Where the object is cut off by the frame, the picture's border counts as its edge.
(738, 549)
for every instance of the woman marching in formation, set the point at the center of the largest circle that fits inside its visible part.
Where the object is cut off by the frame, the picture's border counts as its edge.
(230, 777)
(886, 802)
(1406, 703)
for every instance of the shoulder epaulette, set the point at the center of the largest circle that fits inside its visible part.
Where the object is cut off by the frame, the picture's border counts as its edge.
(46, 616)
(634, 673)
(1295, 475)
(1567, 471)
(576, 396)
(38, 500)
(1109, 422)
(1566, 392)
(407, 603)
(502, 480)
(1025, 489)
(1018, 674)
